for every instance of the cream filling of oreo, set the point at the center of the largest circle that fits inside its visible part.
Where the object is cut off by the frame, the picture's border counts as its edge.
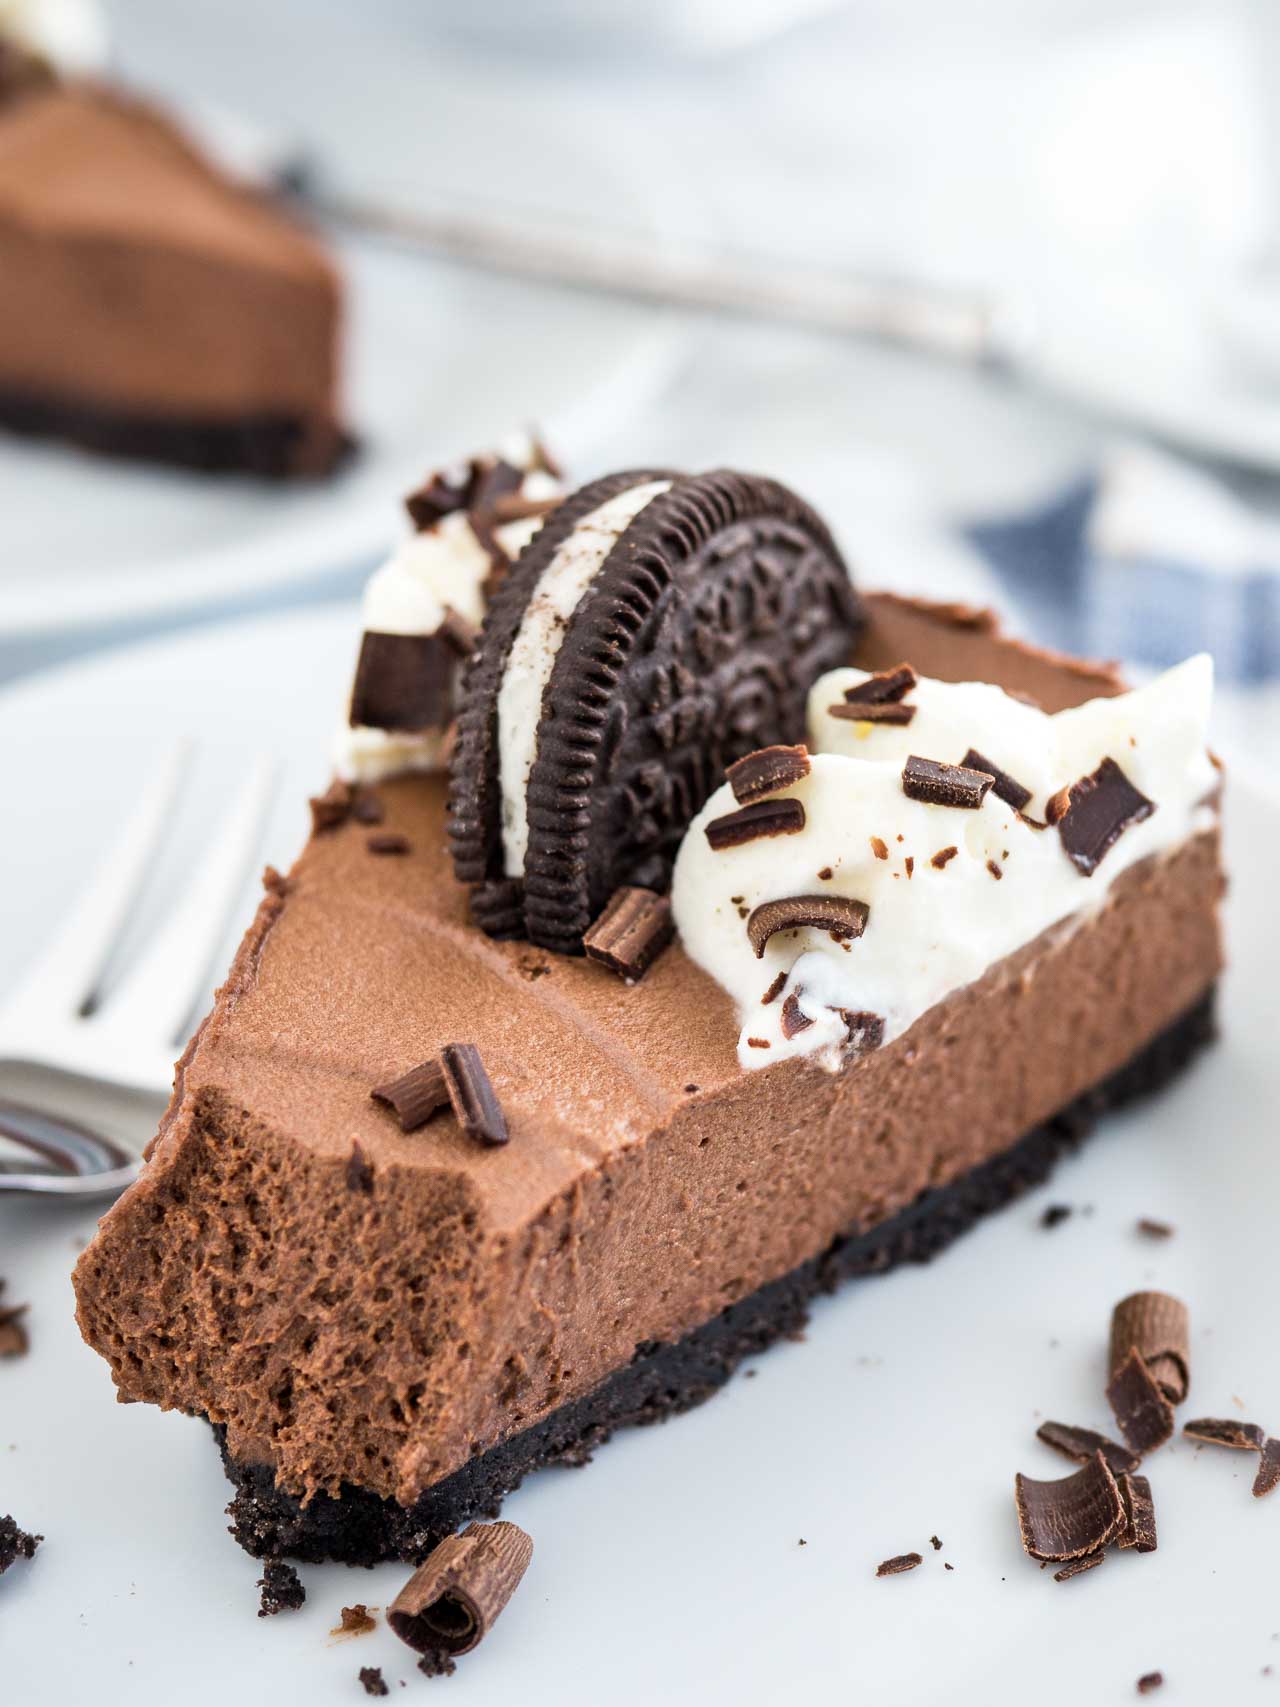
(534, 651)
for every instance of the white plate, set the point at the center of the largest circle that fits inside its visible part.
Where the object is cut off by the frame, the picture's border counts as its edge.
(671, 1569)
(437, 357)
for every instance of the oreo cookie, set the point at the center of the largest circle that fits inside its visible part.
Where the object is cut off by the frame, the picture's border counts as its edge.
(657, 629)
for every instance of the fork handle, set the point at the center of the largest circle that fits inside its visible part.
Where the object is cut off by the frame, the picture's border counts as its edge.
(89, 1164)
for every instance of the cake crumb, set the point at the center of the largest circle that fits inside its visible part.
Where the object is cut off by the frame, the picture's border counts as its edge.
(15, 1543)
(282, 1590)
(436, 1663)
(372, 1679)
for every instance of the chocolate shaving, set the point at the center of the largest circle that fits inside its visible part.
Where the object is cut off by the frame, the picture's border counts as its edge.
(1144, 1415)
(879, 847)
(898, 1564)
(766, 771)
(944, 785)
(330, 809)
(1156, 1326)
(1139, 1532)
(471, 1093)
(366, 806)
(1268, 1475)
(403, 682)
(373, 1681)
(451, 1602)
(883, 688)
(774, 990)
(1003, 786)
(1095, 812)
(943, 855)
(866, 1030)
(15, 1543)
(1149, 1681)
(359, 1173)
(749, 823)
(867, 711)
(1078, 1567)
(282, 1589)
(414, 1096)
(458, 634)
(995, 870)
(474, 485)
(843, 917)
(1154, 1229)
(1080, 1444)
(1056, 1213)
(1071, 1518)
(388, 842)
(1225, 1431)
(631, 933)
(515, 507)
(794, 1018)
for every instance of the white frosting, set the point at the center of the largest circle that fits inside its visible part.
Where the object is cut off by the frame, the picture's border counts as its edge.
(69, 35)
(929, 933)
(533, 654)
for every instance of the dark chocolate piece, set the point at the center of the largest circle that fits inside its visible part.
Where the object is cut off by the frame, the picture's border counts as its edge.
(866, 1030)
(403, 682)
(885, 687)
(471, 1093)
(867, 711)
(1268, 1475)
(414, 1096)
(1003, 786)
(898, 1564)
(995, 870)
(774, 990)
(765, 772)
(1055, 1214)
(373, 1681)
(366, 806)
(794, 1018)
(935, 1543)
(1156, 1326)
(631, 933)
(1139, 1532)
(1226, 1431)
(1154, 1229)
(282, 1589)
(1149, 1682)
(1144, 1415)
(15, 1543)
(843, 917)
(1081, 1444)
(388, 842)
(330, 809)
(749, 823)
(879, 847)
(943, 857)
(1077, 1567)
(436, 1663)
(1070, 1518)
(450, 1603)
(474, 485)
(359, 1172)
(1094, 814)
(944, 785)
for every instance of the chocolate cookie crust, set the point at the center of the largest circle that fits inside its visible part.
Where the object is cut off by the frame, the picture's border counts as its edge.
(663, 1380)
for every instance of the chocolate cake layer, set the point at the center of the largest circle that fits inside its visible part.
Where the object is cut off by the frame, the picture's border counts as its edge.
(385, 1325)
(662, 1380)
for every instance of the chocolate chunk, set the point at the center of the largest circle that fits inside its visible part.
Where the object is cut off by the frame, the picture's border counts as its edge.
(470, 1091)
(1149, 1682)
(944, 785)
(1077, 1567)
(1056, 1213)
(935, 1543)
(697, 643)
(474, 485)
(436, 1663)
(995, 870)
(774, 990)
(942, 857)
(866, 1030)
(1143, 1413)
(330, 809)
(631, 933)
(900, 1562)
(282, 1590)
(759, 1043)
(367, 807)
(767, 771)
(867, 711)
(1156, 1326)
(1225, 1431)
(1139, 1530)
(749, 823)
(403, 682)
(515, 507)
(372, 1679)
(415, 1095)
(359, 1172)
(794, 1018)
(843, 917)
(1268, 1475)
(1095, 812)
(451, 1602)
(1071, 1518)
(1081, 1444)
(1154, 1229)
(1003, 785)
(388, 842)
(884, 688)
(879, 847)
(15, 1543)
(355, 1621)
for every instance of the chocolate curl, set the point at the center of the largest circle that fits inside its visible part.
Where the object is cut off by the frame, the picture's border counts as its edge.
(1154, 1325)
(1069, 1519)
(450, 1604)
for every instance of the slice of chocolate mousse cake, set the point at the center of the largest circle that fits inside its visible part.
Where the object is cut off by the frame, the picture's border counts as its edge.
(880, 910)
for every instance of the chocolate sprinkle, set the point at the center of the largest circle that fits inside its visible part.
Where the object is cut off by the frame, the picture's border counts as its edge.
(388, 842)
(749, 823)
(1225, 1431)
(794, 1018)
(944, 785)
(1155, 1325)
(372, 1679)
(898, 1564)
(1080, 1444)
(767, 771)
(403, 682)
(1098, 809)
(866, 711)
(282, 1589)
(1078, 1567)
(330, 809)
(1143, 1413)
(1003, 786)
(883, 688)
(942, 856)
(842, 916)
(415, 1095)
(15, 1543)
(631, 933)
(1071, 1518)
(359, 1173)
(774, 990)
(1268, 1475)
(995, 870)
(471, 1093)
(451, 1602)
(1139, 1532)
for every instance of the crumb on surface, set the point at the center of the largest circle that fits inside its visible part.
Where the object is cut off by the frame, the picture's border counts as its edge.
(15, 1543)
(372, 1679)
(437, 1663)
(282, 1589)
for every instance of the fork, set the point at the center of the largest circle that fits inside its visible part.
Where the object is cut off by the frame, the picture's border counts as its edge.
(128, 1040)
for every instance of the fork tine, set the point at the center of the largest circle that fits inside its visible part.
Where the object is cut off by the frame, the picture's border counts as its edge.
(63, 978)
(158, 993)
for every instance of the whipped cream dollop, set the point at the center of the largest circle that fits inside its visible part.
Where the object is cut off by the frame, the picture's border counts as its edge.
(442, 568)
(949, 891)
(69, 36)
